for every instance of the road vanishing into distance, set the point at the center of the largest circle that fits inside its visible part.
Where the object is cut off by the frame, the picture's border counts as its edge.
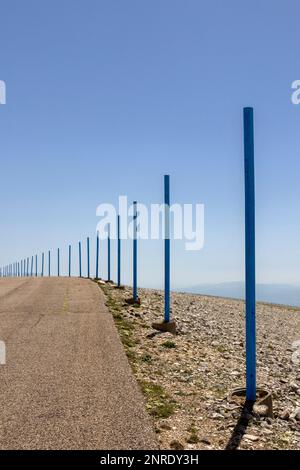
(67, 383)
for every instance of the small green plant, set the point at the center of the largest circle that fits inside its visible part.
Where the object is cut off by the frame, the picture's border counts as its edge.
(193, 437)
(169, 344)
(159, 404)
(146, 358)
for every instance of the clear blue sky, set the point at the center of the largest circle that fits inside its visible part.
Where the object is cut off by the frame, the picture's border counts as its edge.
(104, 97)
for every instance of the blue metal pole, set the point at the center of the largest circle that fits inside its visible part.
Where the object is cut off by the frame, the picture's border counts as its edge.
(69, 260)
(88, 256)
(58, 271)
(135, 295)
(108, 253)
(79, 249)
(21, 268)
(36, 265)
(97, 255)
(119, 254)
(167, 247)
(31, 267)
(43, 259)
(18, 268)
(49, 263)
(27, 267)
(250, 255)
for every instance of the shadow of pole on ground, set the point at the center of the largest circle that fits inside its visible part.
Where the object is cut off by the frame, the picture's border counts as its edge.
(241, 426)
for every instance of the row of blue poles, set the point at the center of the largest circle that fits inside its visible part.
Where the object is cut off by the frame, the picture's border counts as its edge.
(21, 268)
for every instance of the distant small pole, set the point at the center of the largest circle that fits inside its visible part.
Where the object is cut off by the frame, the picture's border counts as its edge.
(18, 268)
(250, 255)
(49, 263)
(79, 253)
(135, 295)
(36, 265)
(24, 264)
(69, 260)
(97, 255)
(108, 252)
(88, 256)
(58, 270)
(27, 267)
(119, 254)
(167, 247)
(21, 268)
(42, 272)
(31, 267)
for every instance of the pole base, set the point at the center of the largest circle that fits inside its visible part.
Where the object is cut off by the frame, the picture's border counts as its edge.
(166, 326)
(131, 301)
(263, 404)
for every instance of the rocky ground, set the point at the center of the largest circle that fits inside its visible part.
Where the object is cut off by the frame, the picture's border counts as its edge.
(187, 378)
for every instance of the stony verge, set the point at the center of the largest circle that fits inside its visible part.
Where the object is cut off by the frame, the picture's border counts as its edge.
(187, 378)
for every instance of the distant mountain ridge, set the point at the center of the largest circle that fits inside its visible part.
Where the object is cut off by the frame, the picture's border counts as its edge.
(285, 294)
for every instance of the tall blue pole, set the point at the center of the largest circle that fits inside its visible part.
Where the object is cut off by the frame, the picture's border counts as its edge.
(69, 260)
(58, 270)
(36, 265)
(97, 255)
(167, 247)
(27, 267)
(31, 267)
(119, 253)
(108, 253)
(250, 255)
(88, 256)
(79, 253)
(43, 260)
(49, 263)
(135, 295)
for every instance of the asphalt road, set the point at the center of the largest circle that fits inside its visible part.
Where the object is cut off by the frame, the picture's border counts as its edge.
(67, 383)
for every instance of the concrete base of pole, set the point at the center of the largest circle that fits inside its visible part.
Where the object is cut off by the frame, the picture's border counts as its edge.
(168, 327)
(133, 302)
(263, 404)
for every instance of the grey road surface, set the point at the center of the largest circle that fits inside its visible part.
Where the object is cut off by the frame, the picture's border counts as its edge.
(67, 383)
